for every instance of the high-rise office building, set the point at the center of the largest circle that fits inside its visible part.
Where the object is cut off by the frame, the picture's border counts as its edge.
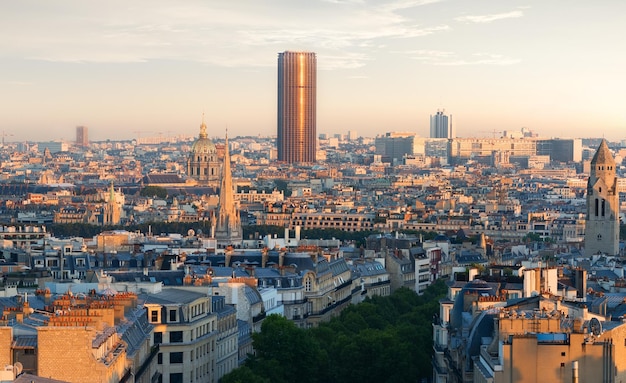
(396, 145)
(441, 125)
(561, 149)
(297, 77)
(82, 137)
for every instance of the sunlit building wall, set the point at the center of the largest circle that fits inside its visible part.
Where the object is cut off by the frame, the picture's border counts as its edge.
(297, 74)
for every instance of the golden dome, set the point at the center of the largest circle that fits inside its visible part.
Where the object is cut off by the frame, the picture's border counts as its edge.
(203, 145)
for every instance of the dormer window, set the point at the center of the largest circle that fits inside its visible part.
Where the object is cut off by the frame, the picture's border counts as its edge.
(172, 315)
(154, 316)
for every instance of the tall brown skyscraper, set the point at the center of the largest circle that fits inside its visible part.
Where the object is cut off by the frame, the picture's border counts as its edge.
(82, 137)
(297, 77)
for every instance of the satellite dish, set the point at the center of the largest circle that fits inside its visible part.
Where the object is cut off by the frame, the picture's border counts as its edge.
(17, 368)
(595, 327)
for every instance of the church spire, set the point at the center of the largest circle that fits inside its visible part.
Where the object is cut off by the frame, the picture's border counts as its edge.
(203, 133)
(111, 193)
(228, 230)
(603, 155)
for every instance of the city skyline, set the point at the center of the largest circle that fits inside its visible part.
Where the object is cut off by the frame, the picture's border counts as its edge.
(127, 70)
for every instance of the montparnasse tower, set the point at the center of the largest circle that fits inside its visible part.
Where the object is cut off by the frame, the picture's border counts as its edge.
(296, 138)
(228, 229)
(602, 220)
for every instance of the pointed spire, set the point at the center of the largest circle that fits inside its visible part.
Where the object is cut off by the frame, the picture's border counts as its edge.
(228, 230)
(203, 133)
(603, 155)
(111, 193)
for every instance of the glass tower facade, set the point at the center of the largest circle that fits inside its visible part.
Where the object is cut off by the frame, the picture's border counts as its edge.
(296, 138)
(440, 126)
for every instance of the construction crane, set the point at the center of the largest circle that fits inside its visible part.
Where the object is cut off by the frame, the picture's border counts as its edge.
(493, 132)
(4, 134)
(139, 132)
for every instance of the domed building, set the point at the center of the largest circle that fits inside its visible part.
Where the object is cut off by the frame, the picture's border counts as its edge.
(203, 164)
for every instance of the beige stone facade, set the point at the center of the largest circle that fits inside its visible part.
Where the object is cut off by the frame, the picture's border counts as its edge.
(547, 355)
(6, 339)
(80, 354)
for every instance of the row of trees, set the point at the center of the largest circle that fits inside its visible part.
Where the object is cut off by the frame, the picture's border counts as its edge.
(256, 231)
(384, 339)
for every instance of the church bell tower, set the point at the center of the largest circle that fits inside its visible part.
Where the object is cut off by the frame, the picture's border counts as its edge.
(602, 221)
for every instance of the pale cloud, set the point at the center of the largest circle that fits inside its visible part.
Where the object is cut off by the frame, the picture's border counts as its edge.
(429, 56)
(490, 17)
(482, 59)
(349, 2)
(405, 4)
(343, 61)
(217, 33)
(446, 58)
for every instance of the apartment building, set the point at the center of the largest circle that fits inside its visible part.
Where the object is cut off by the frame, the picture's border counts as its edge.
(186, 331)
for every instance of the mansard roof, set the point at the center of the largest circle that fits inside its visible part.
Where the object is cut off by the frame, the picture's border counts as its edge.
(135, 329)
(173, 296)
(156, 179)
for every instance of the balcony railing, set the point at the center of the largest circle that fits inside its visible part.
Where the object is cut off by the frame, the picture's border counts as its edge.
(259, 317)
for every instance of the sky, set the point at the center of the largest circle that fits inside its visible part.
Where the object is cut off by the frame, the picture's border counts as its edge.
(128, 69)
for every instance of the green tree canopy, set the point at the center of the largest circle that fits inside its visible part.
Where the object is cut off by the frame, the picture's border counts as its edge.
(286, 353)
(383, 339)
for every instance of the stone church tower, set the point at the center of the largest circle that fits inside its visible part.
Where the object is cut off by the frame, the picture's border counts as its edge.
(111, 211)
(228, 229)
(602, 222)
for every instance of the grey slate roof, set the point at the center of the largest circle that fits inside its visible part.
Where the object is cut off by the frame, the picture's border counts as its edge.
(135, 330)
(172, 296)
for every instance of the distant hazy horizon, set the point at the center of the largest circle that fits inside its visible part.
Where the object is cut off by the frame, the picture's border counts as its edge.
(149, 68)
